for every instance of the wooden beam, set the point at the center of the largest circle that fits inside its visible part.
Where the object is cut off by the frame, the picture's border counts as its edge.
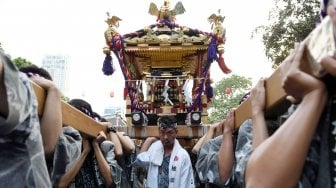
(85, 124)
(184, 131)
(70, 115)
(318, 44)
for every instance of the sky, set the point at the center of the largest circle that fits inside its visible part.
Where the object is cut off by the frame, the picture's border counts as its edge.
(75, 28)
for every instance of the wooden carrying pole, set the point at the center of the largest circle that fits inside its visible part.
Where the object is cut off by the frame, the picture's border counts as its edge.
(85, 124)
(318, 44)
(70, 115)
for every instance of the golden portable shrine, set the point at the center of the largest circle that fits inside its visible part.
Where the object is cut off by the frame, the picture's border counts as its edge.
(166, 69)
(159, 62)
(166, 72)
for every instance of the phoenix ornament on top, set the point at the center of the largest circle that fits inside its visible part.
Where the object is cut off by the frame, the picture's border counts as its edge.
(165, 12)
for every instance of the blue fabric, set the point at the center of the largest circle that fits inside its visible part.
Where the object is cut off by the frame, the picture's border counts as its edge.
(164, 173)
(89, 176)
(107, 65)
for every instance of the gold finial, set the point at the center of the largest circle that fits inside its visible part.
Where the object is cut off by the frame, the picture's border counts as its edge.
(165, 12)
(112, 21)
(216, 19)
(166, 5)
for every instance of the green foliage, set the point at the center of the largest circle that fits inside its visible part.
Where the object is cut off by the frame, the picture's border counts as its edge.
(65, 98)
(290, 21)
(223, 102)
(21, 62)
(1, 49)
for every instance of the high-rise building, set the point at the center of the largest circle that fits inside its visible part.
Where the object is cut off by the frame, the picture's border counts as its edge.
(115, 115)
(114, 110)
(58, 67)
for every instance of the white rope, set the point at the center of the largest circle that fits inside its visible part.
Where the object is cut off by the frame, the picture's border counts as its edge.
(187, 92)
(165, 93)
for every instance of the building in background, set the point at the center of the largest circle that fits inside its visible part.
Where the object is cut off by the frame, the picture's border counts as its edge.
(114, 110)
(58, 67)
(115, 115)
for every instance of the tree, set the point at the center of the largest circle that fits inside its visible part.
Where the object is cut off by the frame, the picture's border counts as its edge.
(21, 62)
(1, 49)
(290, 21)
(65, 98)
(227, 94)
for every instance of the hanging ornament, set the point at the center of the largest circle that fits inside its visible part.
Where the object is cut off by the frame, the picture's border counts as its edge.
(228, 91)
(112, 94)
(108, 67)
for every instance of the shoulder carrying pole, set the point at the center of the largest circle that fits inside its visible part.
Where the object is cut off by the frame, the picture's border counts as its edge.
(318, 44)
(70, 115)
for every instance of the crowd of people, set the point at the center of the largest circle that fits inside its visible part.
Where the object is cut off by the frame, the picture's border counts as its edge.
(295, 149)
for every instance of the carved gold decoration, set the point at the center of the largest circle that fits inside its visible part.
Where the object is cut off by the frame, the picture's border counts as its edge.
(166, 109)
(107, 50)
(220, 49)
(113, 24)
(150, 38)
(165, 12)
(112, 21)
(216, 21)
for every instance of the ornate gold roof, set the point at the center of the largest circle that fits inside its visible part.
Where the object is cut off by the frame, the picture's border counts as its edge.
(165, 44)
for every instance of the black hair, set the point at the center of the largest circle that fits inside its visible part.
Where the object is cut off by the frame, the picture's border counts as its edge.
(103, 120)
(96, 116)
(167, 122)
(33, 69)
(83, 106)
(245, 96)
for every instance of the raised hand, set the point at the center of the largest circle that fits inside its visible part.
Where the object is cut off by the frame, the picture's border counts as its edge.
(43, 82)
(101, 137)
(295, 82)
(258, 97)
(229, 122)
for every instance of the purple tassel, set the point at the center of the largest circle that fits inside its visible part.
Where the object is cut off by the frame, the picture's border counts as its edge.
(324, 7)
(107, 66)
(212, 50)
(209, 91)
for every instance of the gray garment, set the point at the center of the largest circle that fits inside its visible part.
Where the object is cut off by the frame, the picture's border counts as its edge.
(107, 148)
(67, 151)
(309, 174)
(21, 151)
(207, 161)
(89, 175)
(244, 148)
(319, 170)
(243, 152)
